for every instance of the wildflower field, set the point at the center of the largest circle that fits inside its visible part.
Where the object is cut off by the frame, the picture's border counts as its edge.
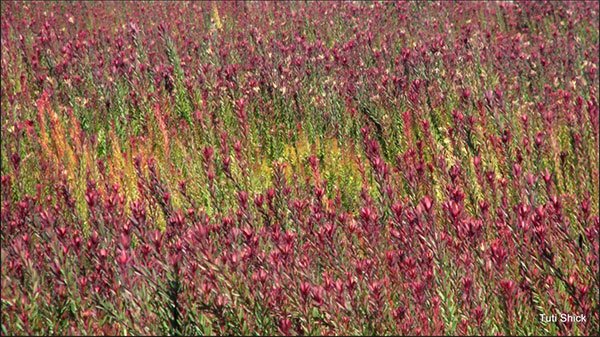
(299, 168)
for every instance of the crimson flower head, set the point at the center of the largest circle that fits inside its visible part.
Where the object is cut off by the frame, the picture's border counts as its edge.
(122, 257)
(427, 203)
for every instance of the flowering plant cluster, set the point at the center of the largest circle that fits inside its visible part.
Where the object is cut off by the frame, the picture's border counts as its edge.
(299, 168)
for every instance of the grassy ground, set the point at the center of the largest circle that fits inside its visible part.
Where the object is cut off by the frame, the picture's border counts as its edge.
(299, 168)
